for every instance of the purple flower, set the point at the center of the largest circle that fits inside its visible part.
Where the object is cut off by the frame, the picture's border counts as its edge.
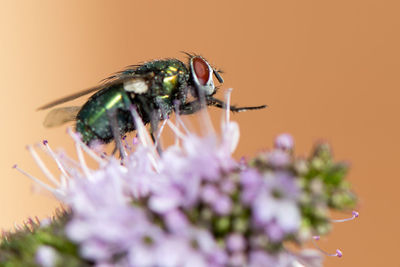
(174, 251)
(165, 199)
(201, 156)
(281, 185)
(142, 251)
(223, 205)
(284, 142)
(309, 258)
(208, 246)
(278, 158)
(191, 206)
(141, 176)
(209, 193)
(228, 186)
(275, 207)
(235, 242)
(274, 231)
(46, 256)
(176, 221)
(261, 258)
(108, 232)
(102, 221)
(251, 180)
(237, 260)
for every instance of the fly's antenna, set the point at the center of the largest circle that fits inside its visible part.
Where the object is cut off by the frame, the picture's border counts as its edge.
(218, 76)
(189, 55)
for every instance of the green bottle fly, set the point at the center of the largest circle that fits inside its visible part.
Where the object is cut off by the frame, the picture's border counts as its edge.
(155, 89)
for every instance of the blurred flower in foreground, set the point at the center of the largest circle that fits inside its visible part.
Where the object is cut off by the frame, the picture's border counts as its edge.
(192, 206)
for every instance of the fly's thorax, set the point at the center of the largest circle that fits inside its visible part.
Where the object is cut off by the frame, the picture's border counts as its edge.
(170, 80)
(172, 83)
(169, 75)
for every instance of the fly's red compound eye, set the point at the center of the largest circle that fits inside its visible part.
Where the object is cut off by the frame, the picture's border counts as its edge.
(202, 76)
(201, 69)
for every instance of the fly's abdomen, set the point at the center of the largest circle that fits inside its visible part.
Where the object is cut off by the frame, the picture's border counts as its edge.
(93, 120)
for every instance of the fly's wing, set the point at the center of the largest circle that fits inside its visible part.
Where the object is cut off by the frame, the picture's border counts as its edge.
(70, 97)
(133, 83)
(116, 78)
(59, 116)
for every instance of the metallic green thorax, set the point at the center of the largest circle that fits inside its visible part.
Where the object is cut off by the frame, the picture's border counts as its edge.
(163, 83)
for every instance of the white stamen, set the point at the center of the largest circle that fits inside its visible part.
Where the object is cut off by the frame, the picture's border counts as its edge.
(63, 180)
(70, 164)
(44, 185)
(82, 161)
(145, 139)
(175, 129)
(42, 166)
(179, 120)
(89, 151)
(228, 105)
(160, 132)
(55, 157)
(205, 118)
(230, 130)
(143, 135)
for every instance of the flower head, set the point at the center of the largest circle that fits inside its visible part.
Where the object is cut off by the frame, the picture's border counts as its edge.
(193, 205)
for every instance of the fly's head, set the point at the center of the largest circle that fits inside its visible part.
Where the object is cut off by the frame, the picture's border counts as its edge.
(202, 76)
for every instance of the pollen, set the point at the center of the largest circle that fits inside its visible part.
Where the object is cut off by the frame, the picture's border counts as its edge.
(137, 86)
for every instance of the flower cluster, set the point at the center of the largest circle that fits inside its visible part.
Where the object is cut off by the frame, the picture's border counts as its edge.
(194, 205)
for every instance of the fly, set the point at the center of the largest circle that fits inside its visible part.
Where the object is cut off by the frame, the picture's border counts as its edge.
(156, 89)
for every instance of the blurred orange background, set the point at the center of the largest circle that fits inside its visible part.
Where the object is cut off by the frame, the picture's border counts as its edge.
(327, 69)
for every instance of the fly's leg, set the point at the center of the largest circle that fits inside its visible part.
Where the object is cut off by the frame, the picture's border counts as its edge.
(154, 117)
(154, 122)
(211, 101)
(190, 108)
(112, 117)
(194, 106)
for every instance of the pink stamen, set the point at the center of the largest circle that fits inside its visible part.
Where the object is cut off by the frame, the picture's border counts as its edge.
(17, 227)
(354, 213)
(135, 141)
(338, 253)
